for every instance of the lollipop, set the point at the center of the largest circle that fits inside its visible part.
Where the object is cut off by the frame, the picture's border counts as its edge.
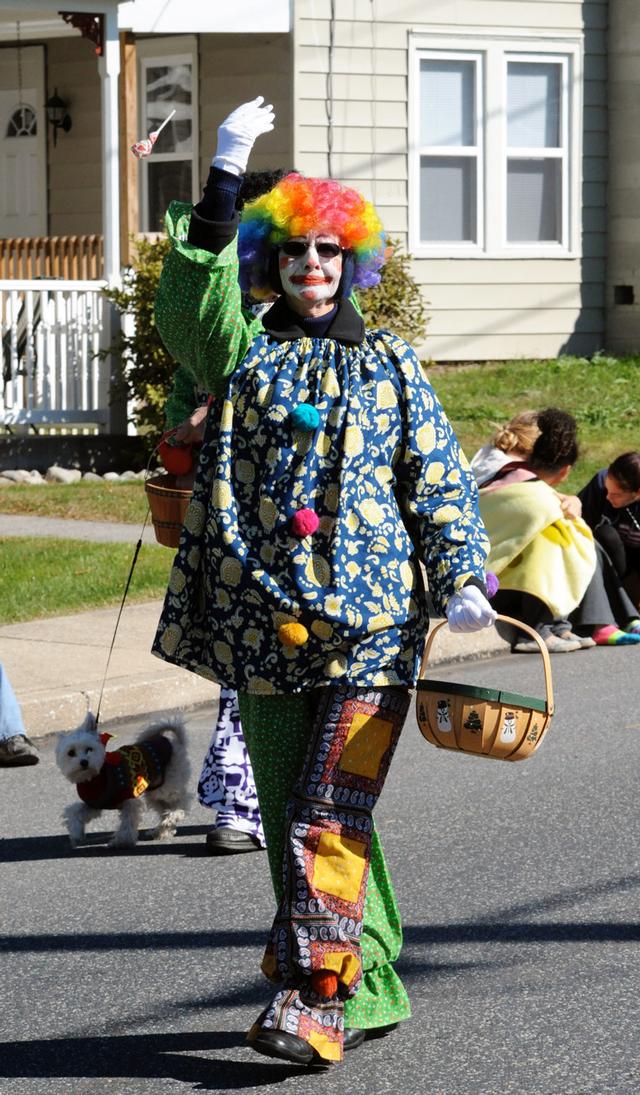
(143, 148)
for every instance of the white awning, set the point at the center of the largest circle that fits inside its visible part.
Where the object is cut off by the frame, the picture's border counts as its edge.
(194, 16)
(148, 17)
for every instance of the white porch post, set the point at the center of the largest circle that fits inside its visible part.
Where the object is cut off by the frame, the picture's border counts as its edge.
(109, 69)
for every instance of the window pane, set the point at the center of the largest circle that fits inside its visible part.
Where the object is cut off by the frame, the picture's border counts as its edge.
(534, 201)
(448, 199)
(166, 182)
(447, 103)
(533, 105)
(169, 88)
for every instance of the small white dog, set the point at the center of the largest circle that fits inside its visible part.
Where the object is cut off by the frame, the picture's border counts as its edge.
(153, 771)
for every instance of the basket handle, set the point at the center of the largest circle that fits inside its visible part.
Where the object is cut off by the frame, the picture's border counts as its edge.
(515, 623)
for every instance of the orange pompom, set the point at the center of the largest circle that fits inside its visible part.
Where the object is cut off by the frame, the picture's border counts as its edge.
(293, 634)
(325, 983)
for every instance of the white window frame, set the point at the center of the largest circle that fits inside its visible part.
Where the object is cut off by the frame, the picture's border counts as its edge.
(475, 151)
(494, 55)
(167, 51)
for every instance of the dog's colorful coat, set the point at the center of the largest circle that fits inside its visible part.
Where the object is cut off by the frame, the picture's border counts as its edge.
(127, 773)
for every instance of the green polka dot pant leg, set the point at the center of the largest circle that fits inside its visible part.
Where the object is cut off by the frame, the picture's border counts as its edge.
(277, 730)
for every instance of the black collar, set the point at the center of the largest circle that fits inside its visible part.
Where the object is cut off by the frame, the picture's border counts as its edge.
(283, 324)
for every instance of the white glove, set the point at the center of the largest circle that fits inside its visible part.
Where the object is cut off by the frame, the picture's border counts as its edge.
(469, 610)
(238, 134)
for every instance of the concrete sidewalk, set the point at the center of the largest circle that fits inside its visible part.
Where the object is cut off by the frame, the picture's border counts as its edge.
(103, 532)
(54, 664)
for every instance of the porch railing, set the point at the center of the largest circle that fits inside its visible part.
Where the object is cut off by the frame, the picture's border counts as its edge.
(67, 257)
(51, 335)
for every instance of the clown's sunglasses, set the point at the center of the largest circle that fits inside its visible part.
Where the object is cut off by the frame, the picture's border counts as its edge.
(295, 249)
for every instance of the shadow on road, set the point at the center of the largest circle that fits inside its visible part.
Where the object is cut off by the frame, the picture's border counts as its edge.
(131, 941)
(145, 1056)
(585, 931)
(29, 849)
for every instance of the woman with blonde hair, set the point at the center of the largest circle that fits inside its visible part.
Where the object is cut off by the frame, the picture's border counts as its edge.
(509, 447)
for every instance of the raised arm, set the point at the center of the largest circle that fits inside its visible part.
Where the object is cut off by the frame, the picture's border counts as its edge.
(198, 303)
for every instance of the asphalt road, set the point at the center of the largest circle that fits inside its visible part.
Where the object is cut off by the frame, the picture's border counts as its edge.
(136, 973)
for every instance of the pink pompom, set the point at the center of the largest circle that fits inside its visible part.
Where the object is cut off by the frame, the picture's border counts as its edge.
(493, 585)
(304, 523)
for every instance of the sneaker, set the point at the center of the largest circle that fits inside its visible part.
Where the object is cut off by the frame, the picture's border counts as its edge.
(17, 751)
(553, 644)
(585, 640)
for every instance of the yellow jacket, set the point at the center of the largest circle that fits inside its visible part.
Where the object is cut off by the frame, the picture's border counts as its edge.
(534, 548)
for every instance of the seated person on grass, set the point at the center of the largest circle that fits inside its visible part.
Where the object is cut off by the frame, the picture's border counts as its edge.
(550, 569)
(611, 507)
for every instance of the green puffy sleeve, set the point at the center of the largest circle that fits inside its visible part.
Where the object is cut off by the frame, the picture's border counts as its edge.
(198, 312)
(182, 399)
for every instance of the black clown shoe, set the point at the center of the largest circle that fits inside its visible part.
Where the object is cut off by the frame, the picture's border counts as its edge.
(355, 1036)
(287, 1047)
(225, 841)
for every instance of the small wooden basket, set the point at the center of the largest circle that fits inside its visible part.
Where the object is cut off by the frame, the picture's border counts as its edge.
(168, 504)
(486, 722)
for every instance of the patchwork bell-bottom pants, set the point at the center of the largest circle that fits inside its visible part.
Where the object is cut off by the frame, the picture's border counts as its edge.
(320, 762)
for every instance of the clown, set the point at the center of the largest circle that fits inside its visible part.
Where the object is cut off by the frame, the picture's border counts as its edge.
(327, 475)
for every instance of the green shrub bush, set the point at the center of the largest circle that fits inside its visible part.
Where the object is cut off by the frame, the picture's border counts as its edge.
(147, 369)
(396, 302)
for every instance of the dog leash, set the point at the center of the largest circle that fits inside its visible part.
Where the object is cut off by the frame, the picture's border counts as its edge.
(128, 582)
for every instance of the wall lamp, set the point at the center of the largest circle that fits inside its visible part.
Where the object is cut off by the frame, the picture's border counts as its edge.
(57, 115)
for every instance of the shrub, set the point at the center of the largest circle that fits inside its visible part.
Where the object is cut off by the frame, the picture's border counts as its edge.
(396, 302)
(147, 369)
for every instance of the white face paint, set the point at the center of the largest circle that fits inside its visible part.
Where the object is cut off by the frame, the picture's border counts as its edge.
(310, 281)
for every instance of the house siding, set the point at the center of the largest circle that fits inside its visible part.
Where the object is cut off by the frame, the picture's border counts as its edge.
(235, 68)
(623, 320)
(74, 176)
(479, 308)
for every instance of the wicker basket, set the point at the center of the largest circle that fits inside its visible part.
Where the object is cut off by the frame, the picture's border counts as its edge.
(486, 722)
(168, 504)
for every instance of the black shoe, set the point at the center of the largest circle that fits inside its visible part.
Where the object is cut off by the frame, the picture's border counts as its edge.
(231, 842)
(287, 1047)
(17, 751)
(355, 1036)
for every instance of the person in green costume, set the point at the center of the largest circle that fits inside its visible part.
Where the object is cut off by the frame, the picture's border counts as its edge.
(327, 475)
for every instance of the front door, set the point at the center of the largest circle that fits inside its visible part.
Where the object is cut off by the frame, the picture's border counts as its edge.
(23, 193)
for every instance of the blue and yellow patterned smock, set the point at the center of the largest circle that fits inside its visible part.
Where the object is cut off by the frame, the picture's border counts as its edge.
(373, 458)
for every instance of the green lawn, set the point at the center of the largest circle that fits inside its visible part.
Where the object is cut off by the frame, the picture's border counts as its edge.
(600, 393)
(83, 501)
(46, 577)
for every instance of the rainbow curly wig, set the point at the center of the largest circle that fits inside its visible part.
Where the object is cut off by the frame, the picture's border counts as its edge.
(297, 205)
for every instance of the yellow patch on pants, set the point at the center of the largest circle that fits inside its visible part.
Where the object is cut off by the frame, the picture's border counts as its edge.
(367, 742)
(344, 963)
(328, 1050)
(339, 865)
